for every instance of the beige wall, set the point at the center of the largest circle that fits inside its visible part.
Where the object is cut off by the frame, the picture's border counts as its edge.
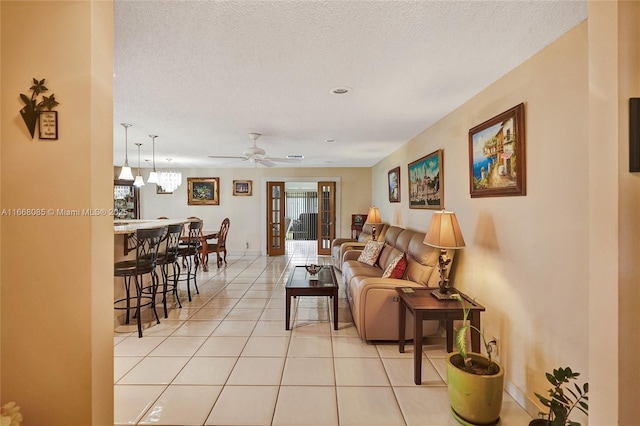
(248, 214)
(56, 282)
(526, 257)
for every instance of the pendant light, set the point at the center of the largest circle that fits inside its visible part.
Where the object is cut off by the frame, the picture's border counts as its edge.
(139, 181)
(125, 172)
(153, 176)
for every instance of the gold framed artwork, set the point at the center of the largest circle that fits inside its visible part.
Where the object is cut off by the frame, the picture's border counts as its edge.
(497, 164)
(203, 191)
(242, 187)
(426, 182)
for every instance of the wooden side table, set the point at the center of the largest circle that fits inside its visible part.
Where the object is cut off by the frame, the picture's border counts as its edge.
(424, 306)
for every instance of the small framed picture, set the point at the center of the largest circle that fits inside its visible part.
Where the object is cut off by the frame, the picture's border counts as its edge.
(161, 191)
(203, 191)
(48, 125)
(394, 185)
(242, 187)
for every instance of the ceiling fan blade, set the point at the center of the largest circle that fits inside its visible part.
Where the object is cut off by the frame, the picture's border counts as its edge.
(285, 160)
(227, 157)
(265, 162)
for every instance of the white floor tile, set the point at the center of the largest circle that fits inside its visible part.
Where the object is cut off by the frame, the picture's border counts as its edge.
(206, 371)
(178, 346)
(353, 347)
(234, 328)
(222, 346)
(154, 371)
(306, 405)
(257, 371)
(244, 405)
(130, 402)
(359, 406)
(310, 346)
(425, 405)
(266, 346)
(196, 328)
(122, 365)
(134, 346)
(308, 371)
(360, 372)
(182, 405)
(400, 372)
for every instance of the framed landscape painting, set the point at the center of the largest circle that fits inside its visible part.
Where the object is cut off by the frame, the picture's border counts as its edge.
(426, 185)
(393, 182)
(203, 191)
(497, 155)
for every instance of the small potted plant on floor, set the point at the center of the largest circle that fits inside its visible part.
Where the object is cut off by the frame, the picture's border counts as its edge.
(475, 382)
(562, 399)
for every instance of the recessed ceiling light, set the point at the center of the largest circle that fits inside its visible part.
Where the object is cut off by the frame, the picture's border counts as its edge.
(330, 140)
(340, 90)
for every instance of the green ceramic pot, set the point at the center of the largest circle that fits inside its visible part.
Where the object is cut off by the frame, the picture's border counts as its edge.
(474, 399)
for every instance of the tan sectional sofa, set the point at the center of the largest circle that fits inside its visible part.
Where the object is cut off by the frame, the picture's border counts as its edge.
(374, 300)
(340, 245)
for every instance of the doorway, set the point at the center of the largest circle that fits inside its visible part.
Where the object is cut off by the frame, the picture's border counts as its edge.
(302, 209)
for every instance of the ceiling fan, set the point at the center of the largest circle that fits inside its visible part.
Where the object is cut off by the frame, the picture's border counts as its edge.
(257, 155)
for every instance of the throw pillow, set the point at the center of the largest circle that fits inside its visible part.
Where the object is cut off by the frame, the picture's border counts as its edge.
(371, 252)
(396, 268)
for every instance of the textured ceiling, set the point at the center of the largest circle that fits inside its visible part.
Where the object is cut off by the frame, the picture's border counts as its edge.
(204, 74)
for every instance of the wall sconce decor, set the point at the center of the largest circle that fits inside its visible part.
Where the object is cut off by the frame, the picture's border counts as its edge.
(33, 111)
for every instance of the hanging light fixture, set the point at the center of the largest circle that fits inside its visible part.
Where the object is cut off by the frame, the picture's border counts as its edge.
(139, 181)
(125, 172)
(153, 176)
(169, 181)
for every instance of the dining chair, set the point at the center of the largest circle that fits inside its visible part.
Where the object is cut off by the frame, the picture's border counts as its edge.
(170, 257)
(188, 252)
(147, 244)
(220, 246)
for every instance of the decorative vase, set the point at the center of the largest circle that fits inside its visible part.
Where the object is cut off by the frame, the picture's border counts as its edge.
(538, 422)
(475, 399)
(30, 118)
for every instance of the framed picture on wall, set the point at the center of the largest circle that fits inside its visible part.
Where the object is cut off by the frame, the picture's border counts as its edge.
(393, 181)
(426, 183)
(203, 191)
(497, 164)
(242, 187)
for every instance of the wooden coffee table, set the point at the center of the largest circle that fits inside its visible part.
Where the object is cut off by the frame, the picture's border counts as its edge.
(299, 284)
(424, 306)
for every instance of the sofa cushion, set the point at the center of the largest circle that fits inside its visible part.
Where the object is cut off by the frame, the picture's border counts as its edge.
(396, 268)
(371, 252)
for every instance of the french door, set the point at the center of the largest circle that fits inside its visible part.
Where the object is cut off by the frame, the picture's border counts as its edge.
(275, 218)
(326, 216)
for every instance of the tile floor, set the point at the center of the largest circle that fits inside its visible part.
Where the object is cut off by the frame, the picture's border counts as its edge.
(226, 359)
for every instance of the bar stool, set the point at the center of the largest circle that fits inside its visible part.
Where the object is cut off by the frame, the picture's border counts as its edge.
(147, 244)
(188, 252)
(170, 257)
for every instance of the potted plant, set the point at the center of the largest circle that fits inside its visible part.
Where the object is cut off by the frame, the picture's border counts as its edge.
(562, 399)
(475, 382)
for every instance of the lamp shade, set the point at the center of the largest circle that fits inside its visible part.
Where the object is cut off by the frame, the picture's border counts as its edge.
(125, 173)
(374, 216)
(444, 231)
(153, 177)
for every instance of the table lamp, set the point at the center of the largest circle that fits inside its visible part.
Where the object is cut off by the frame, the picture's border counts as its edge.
(444, 233)
(374, 219)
